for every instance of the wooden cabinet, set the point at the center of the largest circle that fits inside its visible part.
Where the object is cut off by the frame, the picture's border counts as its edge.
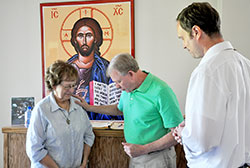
(107, 151)
(14, 147)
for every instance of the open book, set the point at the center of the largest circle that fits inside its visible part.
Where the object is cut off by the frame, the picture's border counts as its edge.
(107, 124)
(103, 94)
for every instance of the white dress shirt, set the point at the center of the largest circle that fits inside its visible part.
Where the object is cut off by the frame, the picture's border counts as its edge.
(217, 130)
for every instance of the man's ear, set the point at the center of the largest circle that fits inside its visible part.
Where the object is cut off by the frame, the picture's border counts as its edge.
(196, 31)
(130, 73)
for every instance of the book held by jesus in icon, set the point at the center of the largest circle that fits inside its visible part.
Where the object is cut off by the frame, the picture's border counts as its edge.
(104, 94)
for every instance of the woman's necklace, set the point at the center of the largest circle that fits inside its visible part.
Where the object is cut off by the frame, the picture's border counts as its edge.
(67, 119)
(64, 105)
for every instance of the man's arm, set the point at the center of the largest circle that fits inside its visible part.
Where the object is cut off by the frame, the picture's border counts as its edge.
(134, 150)
(105, 109)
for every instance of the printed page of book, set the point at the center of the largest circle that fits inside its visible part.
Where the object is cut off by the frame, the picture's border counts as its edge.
(103, 94)
(114, 94)
(98, 93)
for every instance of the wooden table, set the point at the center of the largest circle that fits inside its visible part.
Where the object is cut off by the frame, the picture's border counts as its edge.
(107, 151)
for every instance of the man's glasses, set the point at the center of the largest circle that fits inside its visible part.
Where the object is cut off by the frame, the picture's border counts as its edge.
(70, 86)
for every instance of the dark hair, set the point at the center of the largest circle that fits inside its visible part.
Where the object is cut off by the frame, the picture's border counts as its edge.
(123, 63)
(94, 25)
(59, 71)
(200, 14)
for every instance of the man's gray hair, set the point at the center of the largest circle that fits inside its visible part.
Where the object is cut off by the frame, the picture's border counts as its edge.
(122, 63)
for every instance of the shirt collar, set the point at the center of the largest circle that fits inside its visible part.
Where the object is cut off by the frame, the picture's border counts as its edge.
(215, 49)
(145, 84)
(55, 107)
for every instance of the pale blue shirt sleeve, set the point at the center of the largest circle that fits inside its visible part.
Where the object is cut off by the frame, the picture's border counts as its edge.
(89, 136)
(36, 137)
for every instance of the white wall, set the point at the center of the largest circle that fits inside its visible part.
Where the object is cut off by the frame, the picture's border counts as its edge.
(157, 48)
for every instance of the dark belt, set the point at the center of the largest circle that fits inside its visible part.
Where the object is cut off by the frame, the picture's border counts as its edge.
(160, 150)
(244, 166)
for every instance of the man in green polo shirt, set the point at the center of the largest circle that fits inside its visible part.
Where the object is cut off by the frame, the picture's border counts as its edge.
(151, 112)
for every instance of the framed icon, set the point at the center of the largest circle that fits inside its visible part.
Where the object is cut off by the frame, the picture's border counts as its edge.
(114, 17)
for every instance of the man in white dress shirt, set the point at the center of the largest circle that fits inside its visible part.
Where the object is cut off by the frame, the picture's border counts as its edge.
(216, 131)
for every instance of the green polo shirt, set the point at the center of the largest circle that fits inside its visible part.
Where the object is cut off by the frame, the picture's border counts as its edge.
(149, 111)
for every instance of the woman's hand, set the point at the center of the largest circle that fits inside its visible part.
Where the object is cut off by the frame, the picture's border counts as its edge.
(83, 165)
